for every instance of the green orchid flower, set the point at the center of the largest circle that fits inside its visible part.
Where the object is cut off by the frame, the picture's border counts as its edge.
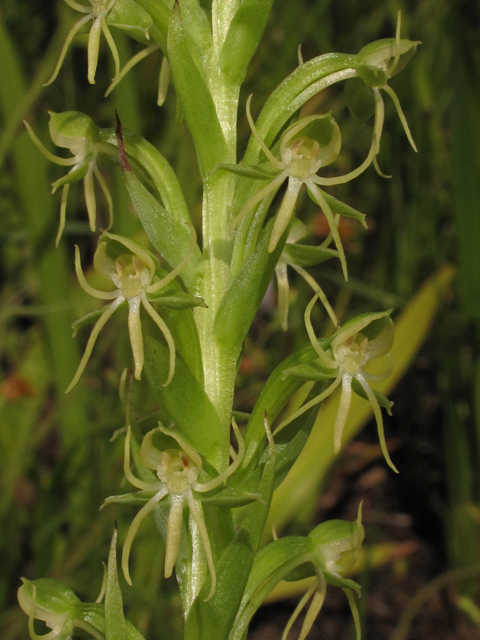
(134, 275)
(76, 132)
(343, 358)
(124, 14)
(178, 470)
(327, 553)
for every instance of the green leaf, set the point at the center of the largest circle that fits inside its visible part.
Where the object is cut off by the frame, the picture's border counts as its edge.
(197, 103)
(304, 255)
(180, 300)
(228, 497)
(243, 37)
(183, 402)
(257, 172)
(171, 238)
(244, 296)
(129, 16)
(341, 208)
(276, 392)
(307, 80)
(383, 401)
(160, 14)
(137, 497)
(314, 371)
(115, 627)
(156, 167)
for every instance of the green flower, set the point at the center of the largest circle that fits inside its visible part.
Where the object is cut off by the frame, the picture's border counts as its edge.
(328, 553)
(134, 277)
(380, 61)
(76, 132)
(124, 14)
(178, 470)
(358, 341)
(306, 147)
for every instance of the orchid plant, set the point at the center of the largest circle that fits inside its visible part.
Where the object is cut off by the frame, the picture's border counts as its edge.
(191, 305)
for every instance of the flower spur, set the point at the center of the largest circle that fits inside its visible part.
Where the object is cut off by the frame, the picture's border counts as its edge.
(360, 340)
(133, 275)
(177, 470)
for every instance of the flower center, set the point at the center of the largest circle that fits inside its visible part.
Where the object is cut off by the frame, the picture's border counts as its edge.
(101, 6)
(132, 275)
(352, 356)
(177, 470)
(301, 157)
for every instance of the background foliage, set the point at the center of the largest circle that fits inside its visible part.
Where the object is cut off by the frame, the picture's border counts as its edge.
(56, 462)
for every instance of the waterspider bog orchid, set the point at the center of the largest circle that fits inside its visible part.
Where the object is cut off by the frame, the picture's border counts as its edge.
(380, 61)
(133, 274)
(327, 553)
(358, 341)
(125, 14)
(78, 133)
(177, 470)
(307, 146)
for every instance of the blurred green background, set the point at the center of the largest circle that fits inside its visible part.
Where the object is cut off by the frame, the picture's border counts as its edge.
(57, 463)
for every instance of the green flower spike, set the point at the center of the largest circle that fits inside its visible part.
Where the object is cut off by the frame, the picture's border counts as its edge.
(298, 256)
(362, 339)
(133, 274)
(77, 132)
(306, 146)
(177, 471)
(380, 61)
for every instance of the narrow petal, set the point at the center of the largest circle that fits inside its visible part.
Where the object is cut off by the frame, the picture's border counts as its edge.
(174, 272)
(378, 417)
(64, 162)
(89, 192)
(71, 34)
(327, 361)
(298, 609)
(111, 44)
(109, 311)
(174, 531)
(285, 212)
(106, 193)
(166, 334)
(132, 531)
(130, 64)
(199, 521)
(144, 486)
(222, 477)
(78, 7)
(63, 213)
(401, 115)
(310, 404)
(283, 293)
(96, 293)
(318, 290)
(315, 606)
(163, 81)
(318, 196)
(342, 413)
(257, 198)
(93, 48)
(135, 332)
(278, 164)
(353, 608)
